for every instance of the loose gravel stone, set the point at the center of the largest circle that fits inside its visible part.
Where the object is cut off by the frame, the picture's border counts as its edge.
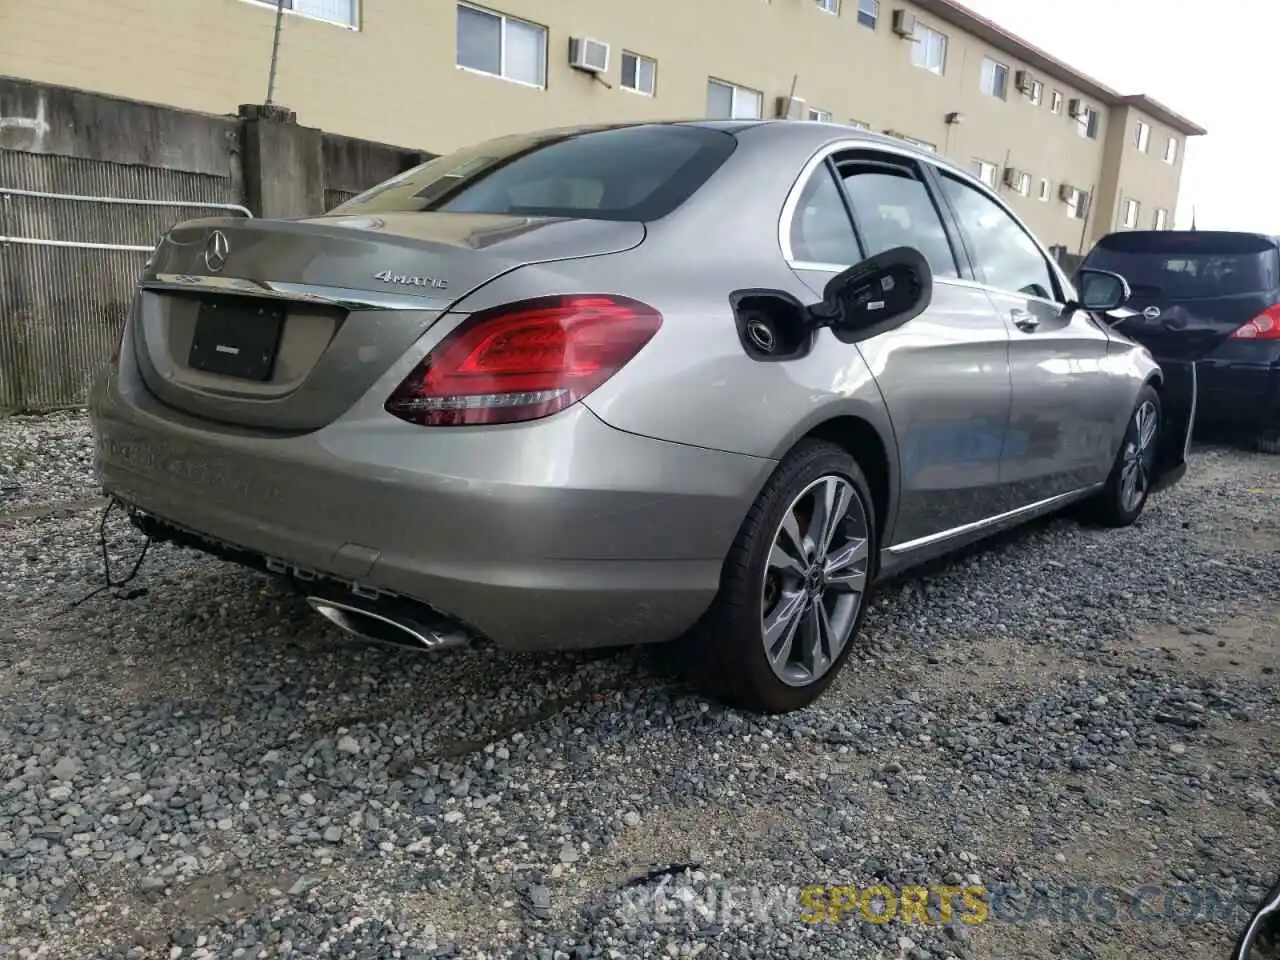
(200, 764)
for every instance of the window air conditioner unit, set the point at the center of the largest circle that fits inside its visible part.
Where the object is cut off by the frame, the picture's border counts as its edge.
(1023, 81)
(1012, 177)
(1065, 192)
(790, 108)
(1075, 108)
(591, 56)
(904, 23)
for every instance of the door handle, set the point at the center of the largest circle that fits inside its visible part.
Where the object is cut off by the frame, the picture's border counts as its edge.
(1024, 319)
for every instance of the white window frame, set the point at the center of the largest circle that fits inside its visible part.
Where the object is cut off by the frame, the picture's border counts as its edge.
(986, 171)
(1046, 190)
(822, 116)
(859, 124)
(1023, 187)
(1142, 136)
(1086, 122)
(502, 47)
(829, 6)
(993, 70)
(639, 59)
(353, 26)
(869, 10)
(738, 88)
(922, 144)
(1161, 219)
(920, 41)
(1056, 100)
(1171, 150)
(1036, 96)
(1073, 204)
(1130, 212)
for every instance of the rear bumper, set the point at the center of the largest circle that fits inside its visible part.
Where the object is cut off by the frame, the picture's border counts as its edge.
(1240, 385)
(556, 534)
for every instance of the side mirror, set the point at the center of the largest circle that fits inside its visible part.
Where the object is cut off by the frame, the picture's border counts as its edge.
(1099, 291)
(1261, 936)
(883, 291)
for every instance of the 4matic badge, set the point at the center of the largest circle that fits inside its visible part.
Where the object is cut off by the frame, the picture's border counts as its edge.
(435, 283)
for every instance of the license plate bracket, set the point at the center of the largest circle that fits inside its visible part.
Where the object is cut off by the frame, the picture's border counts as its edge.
(237, 339)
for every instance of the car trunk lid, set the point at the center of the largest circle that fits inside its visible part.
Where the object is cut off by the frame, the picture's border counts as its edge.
(1190, 289)
(283, 325)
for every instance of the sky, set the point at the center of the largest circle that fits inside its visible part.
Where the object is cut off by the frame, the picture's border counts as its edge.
(1205, 61)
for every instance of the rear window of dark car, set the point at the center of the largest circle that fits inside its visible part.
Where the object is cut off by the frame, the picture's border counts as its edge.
(620, 173)
(1189, 265)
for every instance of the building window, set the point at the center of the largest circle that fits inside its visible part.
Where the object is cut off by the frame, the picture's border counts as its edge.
(344, 13)
(1022, 184)
(1045, 189)
(1161, 220)
(929, 51)
(1131, 212)
(502, 46)
(869, 13)
(984, 171)
(822, 116)
(727, 101)
(1055, 102)
(1036, 93)
(1171, 150)
(830, 6)
(1076, 206)
(995, 78)
(639, 74)
(1142, 136)
(1087, 123)
(859, 125)
(922, 144)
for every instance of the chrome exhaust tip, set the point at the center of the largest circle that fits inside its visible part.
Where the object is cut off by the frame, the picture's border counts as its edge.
(385, 627)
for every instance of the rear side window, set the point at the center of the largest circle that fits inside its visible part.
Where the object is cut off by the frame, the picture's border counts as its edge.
(622, 173)
(1189, 265)
(893, 208)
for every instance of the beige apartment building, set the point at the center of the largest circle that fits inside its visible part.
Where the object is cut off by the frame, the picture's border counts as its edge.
(1075, 158)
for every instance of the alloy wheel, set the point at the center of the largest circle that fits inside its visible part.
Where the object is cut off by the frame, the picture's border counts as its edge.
(814, 580)
(1139, 451)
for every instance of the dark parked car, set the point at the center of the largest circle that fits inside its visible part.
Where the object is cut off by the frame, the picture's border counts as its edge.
(1212, 298)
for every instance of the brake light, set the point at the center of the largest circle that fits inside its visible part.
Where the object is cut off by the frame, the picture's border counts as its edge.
(524, 361)
(1265, 326)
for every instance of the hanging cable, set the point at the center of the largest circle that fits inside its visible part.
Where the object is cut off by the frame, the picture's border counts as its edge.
(110, 583)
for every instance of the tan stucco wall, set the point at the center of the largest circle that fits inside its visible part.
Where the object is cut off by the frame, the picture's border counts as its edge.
(395, 79)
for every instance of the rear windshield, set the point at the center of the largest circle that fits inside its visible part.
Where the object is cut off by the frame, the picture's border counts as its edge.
(620, 173)
(1186, 266)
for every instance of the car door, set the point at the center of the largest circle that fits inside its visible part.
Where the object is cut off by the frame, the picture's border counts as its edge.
(1062, 426)
(944, 375)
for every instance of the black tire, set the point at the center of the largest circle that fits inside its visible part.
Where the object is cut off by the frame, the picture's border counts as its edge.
(1109, 507)
(725, 657)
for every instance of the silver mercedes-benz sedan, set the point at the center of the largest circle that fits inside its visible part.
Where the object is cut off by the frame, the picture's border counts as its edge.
(701, 382)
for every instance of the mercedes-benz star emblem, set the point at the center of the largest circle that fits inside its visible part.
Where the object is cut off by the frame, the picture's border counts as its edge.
(216, 251)
(1151, 313)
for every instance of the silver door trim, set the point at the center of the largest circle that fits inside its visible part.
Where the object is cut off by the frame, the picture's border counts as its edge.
(934, 538)
(299, 292)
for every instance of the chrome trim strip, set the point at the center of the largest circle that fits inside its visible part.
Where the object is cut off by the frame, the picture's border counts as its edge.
(919, 156)
(910, 545)
(304, 292)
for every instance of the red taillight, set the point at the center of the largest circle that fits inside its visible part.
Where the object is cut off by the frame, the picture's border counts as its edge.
(524, 360)
(1265, 326)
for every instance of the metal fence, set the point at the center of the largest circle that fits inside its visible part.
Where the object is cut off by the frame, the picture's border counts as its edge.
(70, 253)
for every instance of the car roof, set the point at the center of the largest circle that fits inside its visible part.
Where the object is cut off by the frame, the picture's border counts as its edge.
(1272, 239)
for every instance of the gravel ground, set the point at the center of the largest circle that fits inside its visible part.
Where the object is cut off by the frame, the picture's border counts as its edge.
(204, 768)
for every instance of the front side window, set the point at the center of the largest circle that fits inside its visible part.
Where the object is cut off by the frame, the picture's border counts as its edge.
(728, 101)
(1004, 252)
(821, 232)
(995, 78)
(634, 173)
(639, 74)
(893, 208)
(502, 46)
(929, 49)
